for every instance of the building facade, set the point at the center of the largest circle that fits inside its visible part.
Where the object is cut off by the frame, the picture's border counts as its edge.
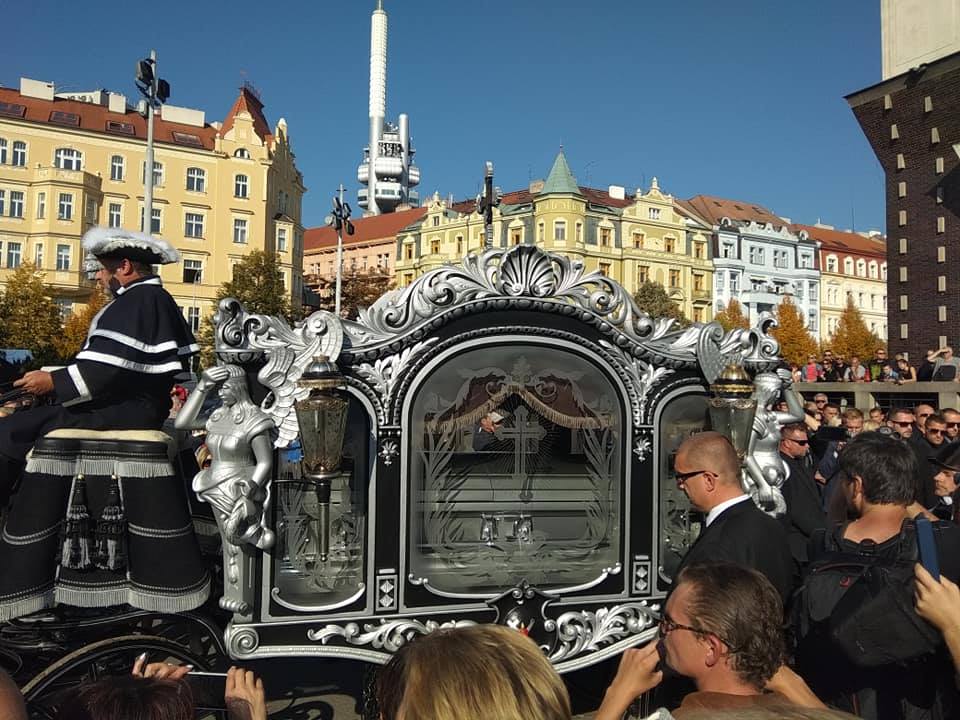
(854, 266)
(631, 239)
(72, 161)
(759, 261)
(912, 122)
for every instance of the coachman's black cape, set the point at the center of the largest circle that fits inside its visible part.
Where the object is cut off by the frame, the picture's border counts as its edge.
(121, 379)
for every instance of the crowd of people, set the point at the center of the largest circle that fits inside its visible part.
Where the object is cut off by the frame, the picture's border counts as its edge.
(937, 366)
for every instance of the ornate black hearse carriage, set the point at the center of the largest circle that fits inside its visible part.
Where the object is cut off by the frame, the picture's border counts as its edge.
(507, 428)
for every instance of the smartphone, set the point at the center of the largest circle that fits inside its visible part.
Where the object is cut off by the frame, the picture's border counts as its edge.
(927, 547)
(208, 688)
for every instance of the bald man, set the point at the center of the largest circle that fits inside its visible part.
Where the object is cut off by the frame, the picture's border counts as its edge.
(11, 701)
(735, 530)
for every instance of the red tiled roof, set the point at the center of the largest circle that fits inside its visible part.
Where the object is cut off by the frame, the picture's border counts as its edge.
(94, 118)
(249, 103)
(844, 241)
(375, 227)
(714, 208)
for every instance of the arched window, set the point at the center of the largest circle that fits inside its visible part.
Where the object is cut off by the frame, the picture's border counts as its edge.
(242, 153)
(68, 159)
(874, 269)
(19, 154)
(862, 267)
(883, 273)
(848, 266)
(831, 263)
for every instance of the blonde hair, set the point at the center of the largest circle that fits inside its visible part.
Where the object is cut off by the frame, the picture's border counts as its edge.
(481, 671)
(870, 425)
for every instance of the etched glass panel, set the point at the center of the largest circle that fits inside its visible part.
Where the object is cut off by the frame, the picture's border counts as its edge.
(679, 523)
(301, 578)
(516, 471)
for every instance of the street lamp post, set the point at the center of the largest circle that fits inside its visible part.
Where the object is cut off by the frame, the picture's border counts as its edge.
(340, 218)
(486, 203)
(156, 91)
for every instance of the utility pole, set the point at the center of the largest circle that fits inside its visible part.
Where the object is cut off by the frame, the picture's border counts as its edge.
(156, 92)
(340, 218)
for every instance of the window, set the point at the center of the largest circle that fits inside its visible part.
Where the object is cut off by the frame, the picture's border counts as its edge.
(540, 232)
(653, 213)
(756, 255)
(780, 258)
(281, 239)
(435, 246)
(91, 210)
(862, 267)
(460, 245)
(643, 274)
(435, 218)
(193, 225)
(240, 231)
(560, 231)
(698, 282)
(13, 255)
(604, 237)
(19, 153)
(734, 284)
(117, 167)
(114, 213)
(196, 179)
(38, 256)
(806, 261)
(699, 250)
(698, 314)
(813, 291)
(719, 281)
(16, 203)
(193, 318)
(408, 252)
(938, 166)
(726, 250)
(874, 269)
(848, 266)
(638, 241)
(578, 232)
(3, 201)
(3, 151)
(192, 271)
(242, 153)
(674, 278)
(155, 218)
(157, 173)
(799, 291)
(63, 257)
(65, 207)
(669, 245)
(240, 185)
(605, 269)
(941, 253)
(883, 271)
(68, 159)
(903, 274)
(902, 218)
(41, 205)
(812, 320)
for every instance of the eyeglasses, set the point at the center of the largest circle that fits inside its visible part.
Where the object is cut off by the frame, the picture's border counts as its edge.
(683, 477)
(667, 626)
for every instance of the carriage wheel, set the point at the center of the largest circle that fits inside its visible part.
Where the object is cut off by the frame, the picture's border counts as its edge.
(113, 656)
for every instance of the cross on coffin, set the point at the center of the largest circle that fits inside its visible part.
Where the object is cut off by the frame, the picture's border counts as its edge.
(526, 433)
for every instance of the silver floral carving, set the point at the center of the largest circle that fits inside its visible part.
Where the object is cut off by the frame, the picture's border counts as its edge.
(586, 631)
(642, 447)
(388, 451)
(389, 635)
(643, 376)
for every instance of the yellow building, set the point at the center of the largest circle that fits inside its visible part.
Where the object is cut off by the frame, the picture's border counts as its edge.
(646, 236)
(69, 161)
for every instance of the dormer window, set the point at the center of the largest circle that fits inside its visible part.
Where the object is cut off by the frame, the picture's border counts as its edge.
(242, 153)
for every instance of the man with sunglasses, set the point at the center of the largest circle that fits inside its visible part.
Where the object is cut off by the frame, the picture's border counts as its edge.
(901, 421)
(722, 629)
(801, 492)
(952, 418)
(707, 470)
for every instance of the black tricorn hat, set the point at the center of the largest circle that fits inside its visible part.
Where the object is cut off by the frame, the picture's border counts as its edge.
(947, 457)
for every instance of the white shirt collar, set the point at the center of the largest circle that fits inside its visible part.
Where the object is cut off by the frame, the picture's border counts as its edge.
(715, 513)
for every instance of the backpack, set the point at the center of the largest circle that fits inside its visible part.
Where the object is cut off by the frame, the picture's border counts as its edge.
(861, 604)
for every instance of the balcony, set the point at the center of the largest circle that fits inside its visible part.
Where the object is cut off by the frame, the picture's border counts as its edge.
(58, 176)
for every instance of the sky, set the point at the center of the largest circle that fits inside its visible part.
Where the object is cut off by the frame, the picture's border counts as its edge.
(742, 99)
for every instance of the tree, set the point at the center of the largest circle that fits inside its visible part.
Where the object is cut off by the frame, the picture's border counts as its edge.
(796, 342)
(358, 290)
(852, 337)
(29, 319)
(75, 328)
(258, 284)
(652, 298)
(732, 317)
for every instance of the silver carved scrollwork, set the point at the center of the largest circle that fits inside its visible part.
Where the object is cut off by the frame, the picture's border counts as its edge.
(642, 447)
(642, 375)
(388, 451)
(242, 640)
(384, 372)
(389, 635)
(586, 631)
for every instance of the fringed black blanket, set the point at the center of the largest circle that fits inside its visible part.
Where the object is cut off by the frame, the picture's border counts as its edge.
(98, 523)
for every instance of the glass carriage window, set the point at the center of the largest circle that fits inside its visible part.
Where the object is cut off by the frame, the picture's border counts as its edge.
(516, 471)
(679, 524)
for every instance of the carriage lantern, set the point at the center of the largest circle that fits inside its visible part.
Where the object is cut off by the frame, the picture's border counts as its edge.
(322, 416)
(733, 406)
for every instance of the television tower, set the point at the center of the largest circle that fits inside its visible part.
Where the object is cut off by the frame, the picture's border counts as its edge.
(387, 174)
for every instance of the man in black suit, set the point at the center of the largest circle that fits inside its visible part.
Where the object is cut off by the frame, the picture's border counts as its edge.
(735, 530)
(801, 492)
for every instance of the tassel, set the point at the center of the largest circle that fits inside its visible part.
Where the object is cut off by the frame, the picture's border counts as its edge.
(111, 531)
(75, 554)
